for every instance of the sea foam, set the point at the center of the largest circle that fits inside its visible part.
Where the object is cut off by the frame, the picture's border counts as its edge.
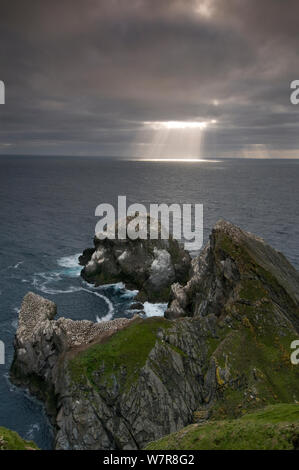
(154, 310)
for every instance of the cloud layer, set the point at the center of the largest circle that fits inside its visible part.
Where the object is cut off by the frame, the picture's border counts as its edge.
(82, 77)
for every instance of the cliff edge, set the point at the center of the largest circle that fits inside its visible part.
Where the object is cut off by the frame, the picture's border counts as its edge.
(222, 350)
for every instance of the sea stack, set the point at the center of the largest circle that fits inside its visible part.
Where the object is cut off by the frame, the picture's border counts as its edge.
(150, 266)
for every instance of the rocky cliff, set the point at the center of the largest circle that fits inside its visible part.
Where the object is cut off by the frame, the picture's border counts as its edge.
(151, 266)
(223, 349)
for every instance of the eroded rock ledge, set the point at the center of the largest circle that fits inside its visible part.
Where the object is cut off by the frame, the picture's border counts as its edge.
(124, 383)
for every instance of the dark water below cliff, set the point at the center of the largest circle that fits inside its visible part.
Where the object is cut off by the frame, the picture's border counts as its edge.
(47, 218)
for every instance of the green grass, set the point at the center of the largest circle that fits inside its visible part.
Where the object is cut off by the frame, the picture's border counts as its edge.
(10, 440)
(121, 356)
(275, 427)
(282, 413)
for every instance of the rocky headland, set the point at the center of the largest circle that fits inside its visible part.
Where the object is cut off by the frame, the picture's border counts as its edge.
(223, 348)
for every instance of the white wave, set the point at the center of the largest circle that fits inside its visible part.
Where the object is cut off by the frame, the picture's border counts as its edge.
(18, 264)
(15, 266)
(51, 291)
(41, 282)
(154, 310)
(32, 430)
(110, 313)
(118, 287)
(71, 264)
(128, 294)
(69, 261)
(107, 317)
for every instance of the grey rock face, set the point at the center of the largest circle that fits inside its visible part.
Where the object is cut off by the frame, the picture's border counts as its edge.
(124, 383)
(150, 266)
(231, 258)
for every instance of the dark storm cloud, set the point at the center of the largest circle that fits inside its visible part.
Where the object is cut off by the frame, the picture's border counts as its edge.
(82, 76)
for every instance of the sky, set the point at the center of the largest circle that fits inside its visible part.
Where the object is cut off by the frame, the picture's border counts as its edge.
(92, 77)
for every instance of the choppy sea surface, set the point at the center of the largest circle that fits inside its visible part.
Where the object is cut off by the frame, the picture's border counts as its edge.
(47, 219)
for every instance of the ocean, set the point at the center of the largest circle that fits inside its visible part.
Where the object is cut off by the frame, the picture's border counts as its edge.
(47, 220)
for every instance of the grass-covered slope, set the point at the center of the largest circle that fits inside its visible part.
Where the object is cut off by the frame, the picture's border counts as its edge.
(10, 440)
(273, 428)
(120, 357)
